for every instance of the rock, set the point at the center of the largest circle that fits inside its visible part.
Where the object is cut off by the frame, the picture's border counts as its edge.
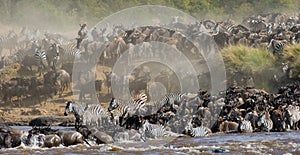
(67, 123)
(42, 121)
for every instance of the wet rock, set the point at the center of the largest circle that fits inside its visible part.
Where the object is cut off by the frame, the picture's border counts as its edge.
(42, 121)
(220, 150)
(67, 123)
(43, 130)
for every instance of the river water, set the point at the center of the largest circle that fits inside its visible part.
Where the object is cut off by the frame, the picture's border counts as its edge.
(235, 143)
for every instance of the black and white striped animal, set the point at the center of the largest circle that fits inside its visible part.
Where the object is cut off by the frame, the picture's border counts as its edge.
(170, 100)
(276, 46)
(77, 110)
(152, 131)
(265, 123)
(122, 109)
(119, 114)
(70, 52)
(245, 126)
(95, 114)
(52, 55)
(134, 104)
(87, 114)
(41, 59)
(292, 117)
(200, 131)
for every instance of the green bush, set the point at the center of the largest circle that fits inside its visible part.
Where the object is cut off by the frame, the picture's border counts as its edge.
(247, 60)
(292, 56)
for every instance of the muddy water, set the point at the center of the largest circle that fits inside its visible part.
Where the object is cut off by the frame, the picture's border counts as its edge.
(253, 143)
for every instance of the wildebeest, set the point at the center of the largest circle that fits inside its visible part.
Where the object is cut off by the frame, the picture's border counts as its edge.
(10, 137)
(70, 137)
(63, 79)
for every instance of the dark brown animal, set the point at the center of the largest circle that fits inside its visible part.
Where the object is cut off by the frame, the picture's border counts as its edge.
(228, 126)
(52, 140)
(70, 137)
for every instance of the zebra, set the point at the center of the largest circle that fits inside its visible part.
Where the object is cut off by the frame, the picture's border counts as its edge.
(69, 52)
(86, 114)
(200, 131)
(134, 104)
(265, 123)
(119, 114)
(245, 126)
(41, 59)
(95, 114)
(77, 110)
(9, 42)
(122, 109)
(170, 100)
(292, 116)
(52, 55)
(253, 118)
(276, 46)
(152, 130)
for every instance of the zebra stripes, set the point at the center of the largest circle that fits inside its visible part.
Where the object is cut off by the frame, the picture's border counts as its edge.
(292, 117)
(245, 126)
(40, 58)
(152, 130)
(132, 104)
(121, 109)
(265, 123)
(52, 55)
(87, 114)
(95, 114)
(276, 46)
(170, 99)
(119, 113)
(70, 52)
(77, 110)
(200, 131)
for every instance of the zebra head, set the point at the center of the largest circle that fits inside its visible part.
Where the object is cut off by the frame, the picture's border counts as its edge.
(114, 117)
(113, 104)
(69, 108)
(188, 128)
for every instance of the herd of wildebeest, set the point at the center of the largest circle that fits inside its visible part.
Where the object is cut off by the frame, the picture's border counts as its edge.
(49, 58)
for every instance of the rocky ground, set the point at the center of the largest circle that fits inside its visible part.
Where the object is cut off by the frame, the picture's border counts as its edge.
(22, 115)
